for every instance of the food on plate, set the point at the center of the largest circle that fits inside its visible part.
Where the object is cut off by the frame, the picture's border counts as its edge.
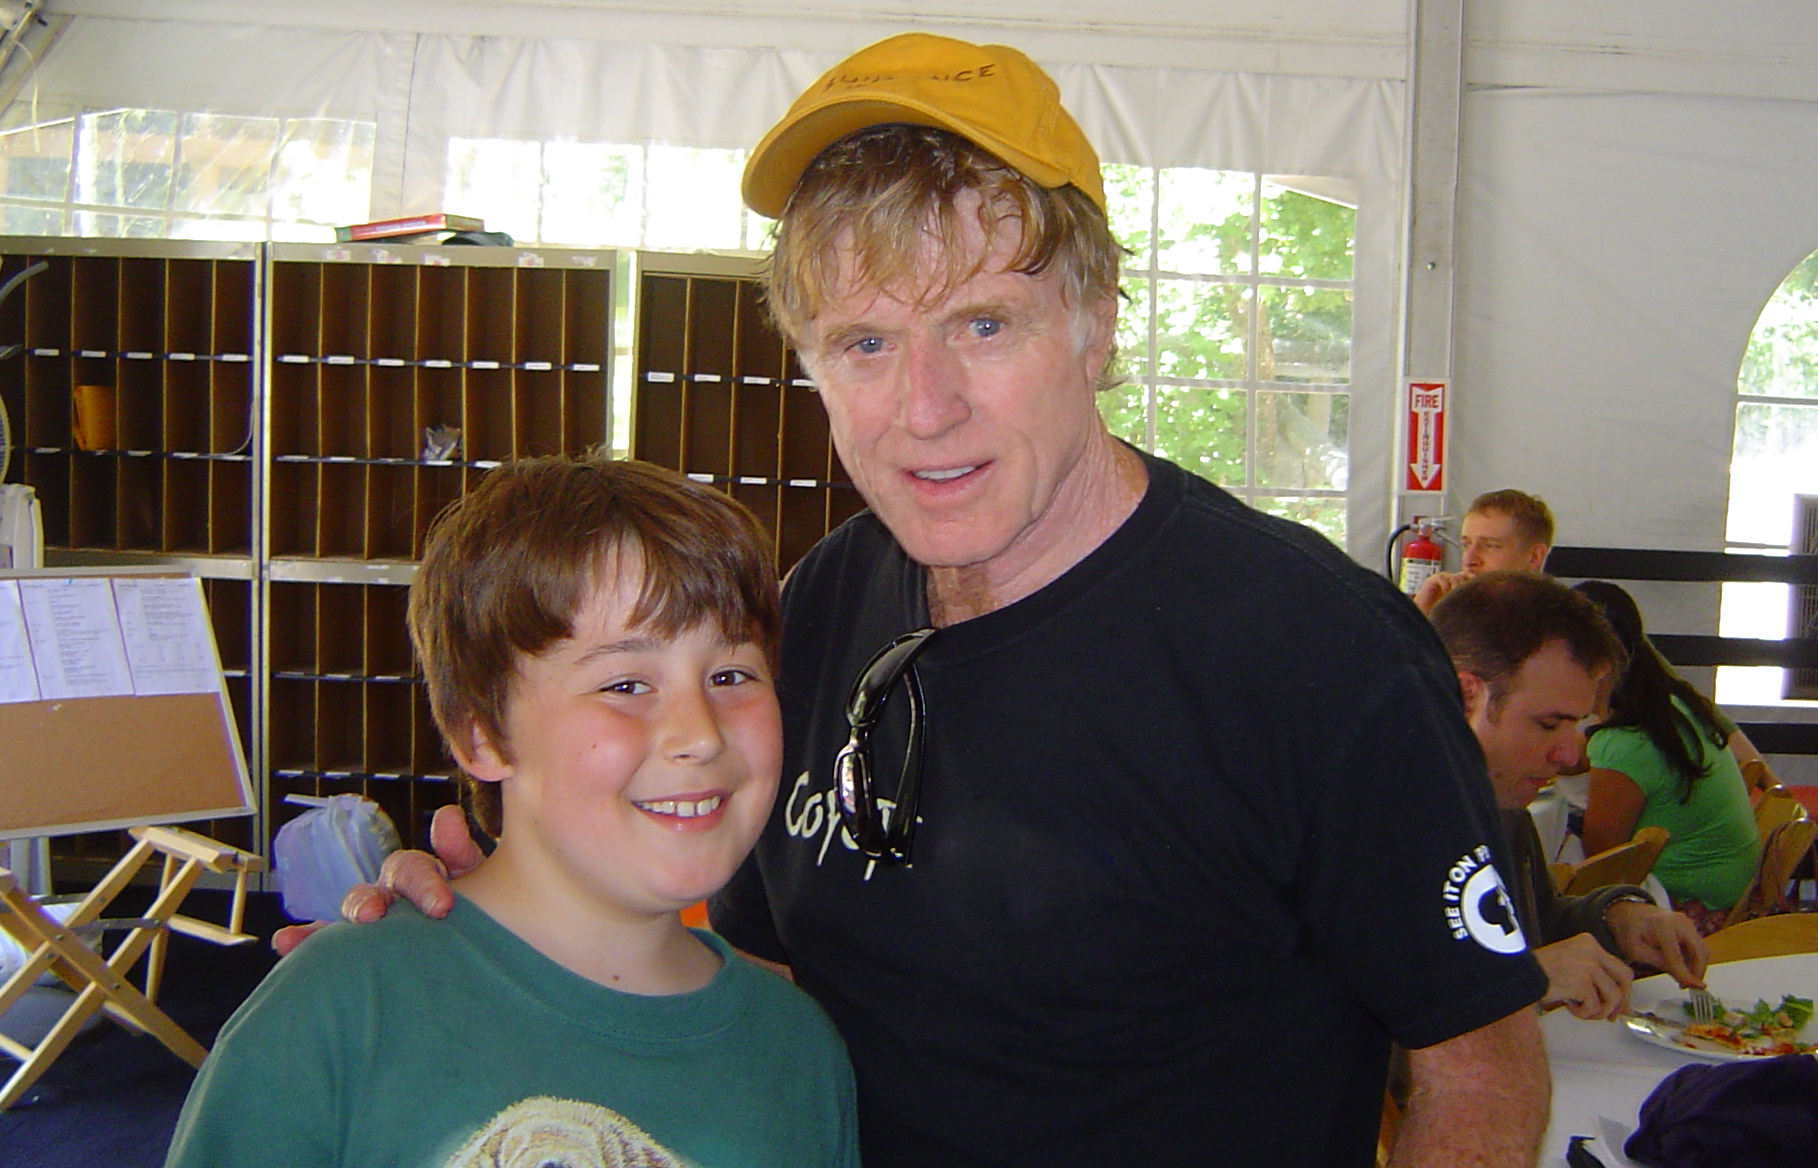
(1762, 1030)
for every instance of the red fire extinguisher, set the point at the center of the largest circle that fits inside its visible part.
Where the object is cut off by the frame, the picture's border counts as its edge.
(1421, 556)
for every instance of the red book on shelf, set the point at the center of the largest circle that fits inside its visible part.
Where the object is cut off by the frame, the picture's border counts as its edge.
(410, 225)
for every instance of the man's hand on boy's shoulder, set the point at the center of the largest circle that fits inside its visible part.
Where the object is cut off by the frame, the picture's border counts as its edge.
(419, 877)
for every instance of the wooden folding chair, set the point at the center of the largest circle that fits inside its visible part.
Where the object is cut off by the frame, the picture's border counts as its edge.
(1627, 863)
(1781, 851)
(62, 947)
(1773, 936)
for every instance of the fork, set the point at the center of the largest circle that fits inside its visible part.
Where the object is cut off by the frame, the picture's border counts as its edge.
(1705, 1007)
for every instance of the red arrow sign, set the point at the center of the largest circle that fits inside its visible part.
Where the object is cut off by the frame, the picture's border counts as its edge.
(1426, 436)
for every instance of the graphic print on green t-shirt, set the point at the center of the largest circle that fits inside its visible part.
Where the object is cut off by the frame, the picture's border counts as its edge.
(543, 1131)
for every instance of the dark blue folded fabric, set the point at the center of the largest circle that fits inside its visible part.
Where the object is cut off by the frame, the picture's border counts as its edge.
(1732, 1115)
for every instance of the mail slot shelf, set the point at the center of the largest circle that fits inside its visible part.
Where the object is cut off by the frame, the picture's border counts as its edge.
(719, 395)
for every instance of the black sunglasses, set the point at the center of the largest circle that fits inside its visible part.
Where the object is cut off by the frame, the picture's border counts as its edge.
(859, 810)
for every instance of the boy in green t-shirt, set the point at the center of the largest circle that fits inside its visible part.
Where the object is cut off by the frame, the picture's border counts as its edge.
(599, 641)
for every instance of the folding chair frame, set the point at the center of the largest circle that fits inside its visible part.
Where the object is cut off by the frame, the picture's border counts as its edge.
(101, 984)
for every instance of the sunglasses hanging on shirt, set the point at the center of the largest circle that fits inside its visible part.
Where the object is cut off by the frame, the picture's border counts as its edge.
(880, 834)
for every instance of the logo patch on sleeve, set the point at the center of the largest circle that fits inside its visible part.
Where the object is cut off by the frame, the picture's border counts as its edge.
(1478, 906)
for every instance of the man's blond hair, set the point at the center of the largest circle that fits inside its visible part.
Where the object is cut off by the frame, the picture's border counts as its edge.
(1533, 518)
(882, 195)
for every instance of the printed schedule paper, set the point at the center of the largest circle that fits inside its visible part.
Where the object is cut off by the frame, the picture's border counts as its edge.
(18, 679)
(165, 628)
(75, 636)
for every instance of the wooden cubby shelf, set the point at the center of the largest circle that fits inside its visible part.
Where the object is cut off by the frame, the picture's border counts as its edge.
(259, 419)
(721, 398)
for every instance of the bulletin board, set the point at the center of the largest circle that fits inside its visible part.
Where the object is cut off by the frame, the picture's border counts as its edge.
(112, 708)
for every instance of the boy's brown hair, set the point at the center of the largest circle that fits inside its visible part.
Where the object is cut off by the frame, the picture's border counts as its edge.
(509, 565)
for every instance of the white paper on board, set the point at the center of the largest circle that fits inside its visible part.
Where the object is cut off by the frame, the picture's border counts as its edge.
(165, 627)
(18, 680)
(75, 636)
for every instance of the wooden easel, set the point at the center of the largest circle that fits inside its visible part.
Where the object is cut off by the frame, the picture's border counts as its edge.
(129, 760)
(100, 983)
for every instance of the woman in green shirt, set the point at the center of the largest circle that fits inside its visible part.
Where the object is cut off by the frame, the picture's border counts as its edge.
(1660, 758)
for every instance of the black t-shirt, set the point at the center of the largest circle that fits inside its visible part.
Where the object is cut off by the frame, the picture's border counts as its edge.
(1202, 827)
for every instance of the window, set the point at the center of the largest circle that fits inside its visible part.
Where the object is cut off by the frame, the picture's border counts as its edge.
(1236, 337)
(168, 175)
(594, 194)
(1774, 458)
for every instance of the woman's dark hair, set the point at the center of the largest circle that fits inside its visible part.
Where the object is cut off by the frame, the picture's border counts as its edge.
(1644, 696)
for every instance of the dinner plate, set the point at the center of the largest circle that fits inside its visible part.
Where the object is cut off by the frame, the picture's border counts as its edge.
(1670, 1033)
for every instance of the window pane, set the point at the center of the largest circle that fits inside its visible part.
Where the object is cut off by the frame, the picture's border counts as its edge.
(1326, 516)
(1774, 458)
(760, 233)
(1305, 237)
(1202, 429)
(497, 181)
(118, 226)
(1133, 329)
(1200, 329)
(1304, 335)
(124, 158)
(1753, 610)
(224, 164)
(1129, 201)
(31, 221)
(1782, 357)
(323, 172)
(692, 199)
(592, 194)
(235, 230)
(1125, 414)
(1205, 221)
(1301, 440)
(38, 161)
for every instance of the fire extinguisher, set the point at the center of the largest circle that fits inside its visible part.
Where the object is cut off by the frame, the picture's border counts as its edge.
(1421, 556)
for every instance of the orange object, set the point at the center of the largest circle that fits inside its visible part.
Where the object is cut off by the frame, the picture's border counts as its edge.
(95, 417)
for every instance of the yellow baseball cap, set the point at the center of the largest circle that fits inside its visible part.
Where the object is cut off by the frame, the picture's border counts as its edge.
(991, 95)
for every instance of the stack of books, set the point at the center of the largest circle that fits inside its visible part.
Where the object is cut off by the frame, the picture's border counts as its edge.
(410, 229)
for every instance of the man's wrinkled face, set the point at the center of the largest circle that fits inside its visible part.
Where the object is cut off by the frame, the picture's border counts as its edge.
(963, 417)
(1492, 543)
(1532, 734)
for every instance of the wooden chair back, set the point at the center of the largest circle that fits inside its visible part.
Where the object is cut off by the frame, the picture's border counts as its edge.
(1760, 777)
(1775, 807)
(1772, 936)
(1781, 851)
(1627, 863)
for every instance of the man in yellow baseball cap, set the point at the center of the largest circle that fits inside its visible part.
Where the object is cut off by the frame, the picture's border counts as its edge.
(1159, 900)
(1142, 869)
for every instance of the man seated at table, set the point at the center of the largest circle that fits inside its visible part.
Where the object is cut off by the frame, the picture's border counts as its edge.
(1504, 531)
(1530, 655)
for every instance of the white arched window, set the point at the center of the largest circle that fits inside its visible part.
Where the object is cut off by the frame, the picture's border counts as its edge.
(1773, 473)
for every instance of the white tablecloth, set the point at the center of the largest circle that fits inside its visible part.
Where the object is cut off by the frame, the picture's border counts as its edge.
(1601, 1070)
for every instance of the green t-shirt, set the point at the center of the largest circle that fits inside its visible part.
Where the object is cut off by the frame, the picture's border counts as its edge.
(437, 1044)
(1713, 849)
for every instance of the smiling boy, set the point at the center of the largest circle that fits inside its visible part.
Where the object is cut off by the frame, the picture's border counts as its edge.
(598, 640)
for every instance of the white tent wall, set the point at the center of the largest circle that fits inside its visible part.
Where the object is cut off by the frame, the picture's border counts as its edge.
(1635, 176)
(1615, 252)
